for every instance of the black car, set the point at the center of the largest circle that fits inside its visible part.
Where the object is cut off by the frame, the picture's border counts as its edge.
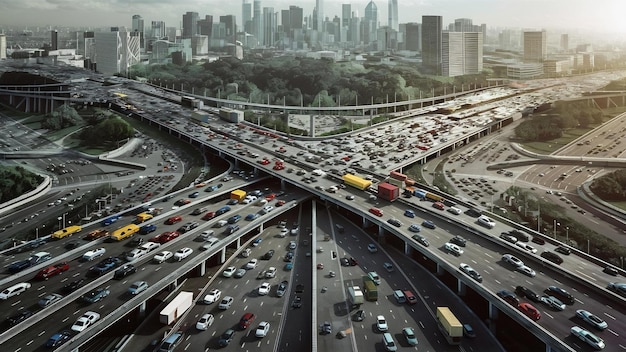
(19, 266)
(105, 266)
(421, 239)
(611, 270)
(359, 315)
(458, 240)
(345, 261)
(353, 262)
(59, 338)
(226, 338)
(563, 250)
(473, 213)
(124, 271)
(268, 255)
(95, 295)
(561, 294)
(299, 288)
(137, 241)
(539, 240)
(528, 293)
(297, 302)
(73, 286)
(509, 297)
(288, 257)
(72, 244)
(20, 317)
(553, 257)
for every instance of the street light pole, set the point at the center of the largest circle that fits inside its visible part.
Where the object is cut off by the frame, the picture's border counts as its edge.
(555, 225)
(567, 235)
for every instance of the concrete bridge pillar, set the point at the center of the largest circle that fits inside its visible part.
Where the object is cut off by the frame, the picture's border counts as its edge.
(142, 310)
(461, 288)
(223, 255)
(202, 268)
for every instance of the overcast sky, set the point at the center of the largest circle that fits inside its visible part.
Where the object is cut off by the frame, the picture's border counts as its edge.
(604, 16)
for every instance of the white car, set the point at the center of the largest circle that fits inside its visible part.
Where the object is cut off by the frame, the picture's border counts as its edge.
(381, 323)
(212, 297)
(270, 273)
(591, 339)
(516, 262)
(93, 254)
(526, 247)
(136, 254)
(182, 253)
(267, 209)
(228, 272)
(454, 210)
(226, 302)
(453, 248)
(292, 245)
(252, 264)
(162, 257)
(332, 189)
(526, 271)
(594, 320)
(415, 228)
(150, 246)
(372, 248)
(205, 321)
(264, 289)
(85, 321)
(263, 329)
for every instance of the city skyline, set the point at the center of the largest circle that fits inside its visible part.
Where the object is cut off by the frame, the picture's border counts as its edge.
(532, 14)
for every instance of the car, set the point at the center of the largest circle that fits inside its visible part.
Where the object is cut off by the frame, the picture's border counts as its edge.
(297, 302)
(353, 262)
(468, 331)
(374, 277)
(59, 338)
(289, 257)
(256, 242)
(162, 257)
(538, 240)
(526, 247)
(563, 250)
(212, 296)
(229, 271)
(409, 213)
(137, 287)
(46, 273)
(611, 270)
(264, 289)
(529, 310)
(18, 266)
(95, 296)
(240, 273)
(359, 315)
(509, 297)
(282, 288)
(553, 302)
(617, 287)
(453, 248)
(226, 338)
(381, 323)
(292, 245)
(592, 319)
(326, 328)
(415, 228)
(511, 259)
(459, 241)
(376, 211)
(232, 202)
(72, 244)
(252, 264)
(49, 300)
(188, 226)
(246, 320)
(19, 317)
(421, 239)
(194, 195)
(182, 253)
(454, 210)
(372, 248)
(528, 293)
(174, 219)
(299, 288)
(344, 261)
(267, 209)
(149, 246)
(553, 257)
(233, 219)
(560, 294)
(268, 255)
(320, 266)
(395, 222)
(124, 271)
(587, 337)
(270, 273)
(409, 335)
(252, 216)
(388, 266)
(165, 237)
(205, 321)
(262, 329)
(208, 216)
(471, 272)
(509, 238)
(429, 224)
(288, 266)
(225, 303)
(85, 321)
(526, 271)
(350, 197)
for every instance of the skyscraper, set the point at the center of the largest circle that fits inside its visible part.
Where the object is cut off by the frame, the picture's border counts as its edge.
(3, 46)
(116, 51)
(413, 36)
(54, 40)
(270, 26)
(370, 23)
(190, 24)
(462, 53)
(431, 43)
(138, 26)
(463, 25)
(231, 27)
(257, 22)
(246, 16)
(158, 29)
(392, 14)
(564, 42)
(535, 46)
(205, 26)
(319, 10)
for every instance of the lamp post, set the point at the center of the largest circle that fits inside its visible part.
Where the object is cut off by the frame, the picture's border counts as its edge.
(567, 235)
(555, 225)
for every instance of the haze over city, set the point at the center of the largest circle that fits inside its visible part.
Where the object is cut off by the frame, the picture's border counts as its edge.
(604, 16)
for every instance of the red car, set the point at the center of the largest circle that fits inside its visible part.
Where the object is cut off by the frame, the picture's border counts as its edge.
(173, 220)
(529, 310)
(46, 273)
(376, 211)
(208, 216)
(264, 162)
(280, 203)
(165, 237)
(270, 197)
(438, 205)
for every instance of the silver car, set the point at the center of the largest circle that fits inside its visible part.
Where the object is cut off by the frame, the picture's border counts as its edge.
(594, 320)
(591, 339)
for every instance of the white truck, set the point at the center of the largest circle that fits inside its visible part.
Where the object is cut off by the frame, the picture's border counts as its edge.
(355, 295)
(176, 308)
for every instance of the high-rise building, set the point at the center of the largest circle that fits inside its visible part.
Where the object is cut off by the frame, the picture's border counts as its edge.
(392, 14)
(319, 10)
(190, 24)
(463, 25)
(257, 21)
(116, 51)
(205, 26)
(138, 26)
(431, 43)
(270, 26)
(246, 16)
(231, 27)
(462, 53)
(370, 23)
(54, 40)
(158, 30)
(413, 36)
(3, 46)
(346, 15)
(564, 42)
(535, 46)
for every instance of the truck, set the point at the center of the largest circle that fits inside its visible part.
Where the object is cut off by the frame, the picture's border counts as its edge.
(388, 191)
(95, 234)
(68, 231)
(124, 232)
(449, 325)
(434, 197)
(143, 217)
(176, 308)
(355, 295)
(370, 290)
(398, 176)
(356, 181)
(419, 193)
(238, 194)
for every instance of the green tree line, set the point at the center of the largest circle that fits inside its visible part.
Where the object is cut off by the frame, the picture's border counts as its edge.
(15, 181)
(564, 115)
(611, 187)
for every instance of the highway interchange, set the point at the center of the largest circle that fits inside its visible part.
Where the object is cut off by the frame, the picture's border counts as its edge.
(479, 248)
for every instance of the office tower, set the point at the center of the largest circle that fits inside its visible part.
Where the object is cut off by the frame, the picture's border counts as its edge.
(190, 24)
(483, 30)
(431, 43)
(535, 46)
(461, 53)
(231, 27)
(564, 42)
(54, 40)
(270, 26)
(413, 36)
(370, 23)
(257, 21)
(392, 14)
(116, 51)
(463, 25)
(205, 26)
(346, 15)
(158, 29)
(355, 29)
(138, 26)
(3, 46)
(292, 20)
(246, 16)
(319, 10)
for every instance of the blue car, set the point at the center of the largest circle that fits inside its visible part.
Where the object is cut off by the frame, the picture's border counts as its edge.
(108, 221)
(289, 266)
(105, 266)
(256, 242)
(194, 195)
(409, 213)
(429, 224)
(59, 338)
(251, 217)
(146, 229)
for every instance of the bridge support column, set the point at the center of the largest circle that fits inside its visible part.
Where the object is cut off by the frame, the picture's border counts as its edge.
(381, 234)
(440, 270)
(407, 249)
(493, 316)
(172, 286)
(202, 268)
(261, 227)
(283, 185)
(223, 255)
(461, 288)
(142, 310)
